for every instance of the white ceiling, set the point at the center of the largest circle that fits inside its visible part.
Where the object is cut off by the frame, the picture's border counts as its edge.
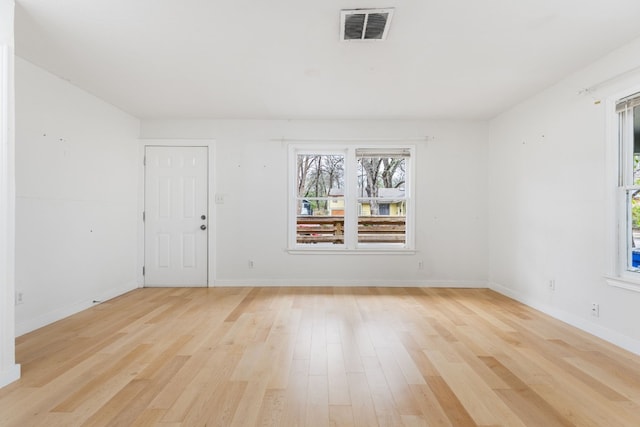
(266, 59)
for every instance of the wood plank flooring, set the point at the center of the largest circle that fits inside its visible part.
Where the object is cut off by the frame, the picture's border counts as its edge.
(319, 357)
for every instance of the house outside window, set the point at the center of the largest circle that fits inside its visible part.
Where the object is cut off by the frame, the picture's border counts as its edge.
(351, 198)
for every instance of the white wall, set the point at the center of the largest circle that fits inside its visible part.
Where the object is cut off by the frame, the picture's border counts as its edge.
(251, 172)
(76, 208)
(9, 370)
(549, 184)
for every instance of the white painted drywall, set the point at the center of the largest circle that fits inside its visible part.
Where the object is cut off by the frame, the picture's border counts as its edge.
(9, 370)
(251, 173)
(548, 201)
(76, 208)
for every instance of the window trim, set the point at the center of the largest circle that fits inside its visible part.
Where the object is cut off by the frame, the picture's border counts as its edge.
(350, 245)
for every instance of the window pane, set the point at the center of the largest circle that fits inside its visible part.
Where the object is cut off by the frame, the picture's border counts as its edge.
(381, 197)
(320, 221)
(320, 206)
(633, 197)
(633, 212)
(636, 147)
(382, 229)
(319, 175)
(381, 176)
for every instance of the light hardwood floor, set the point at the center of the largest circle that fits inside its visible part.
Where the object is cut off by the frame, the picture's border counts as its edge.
(319, 357)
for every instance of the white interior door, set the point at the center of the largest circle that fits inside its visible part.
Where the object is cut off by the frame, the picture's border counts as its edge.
(176, 217)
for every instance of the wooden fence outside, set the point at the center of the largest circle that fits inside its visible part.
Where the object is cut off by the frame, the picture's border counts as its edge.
(371, 229)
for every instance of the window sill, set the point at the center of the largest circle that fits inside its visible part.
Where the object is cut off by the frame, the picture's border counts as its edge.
(624, 282)
(361, 251)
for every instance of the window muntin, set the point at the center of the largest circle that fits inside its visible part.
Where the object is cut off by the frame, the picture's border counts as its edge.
(351, 198)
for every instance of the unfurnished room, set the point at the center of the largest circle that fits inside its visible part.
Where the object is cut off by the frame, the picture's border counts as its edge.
(367, 213)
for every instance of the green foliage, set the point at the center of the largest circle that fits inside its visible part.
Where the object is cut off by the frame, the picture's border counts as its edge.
(635, 214)
(636, 169)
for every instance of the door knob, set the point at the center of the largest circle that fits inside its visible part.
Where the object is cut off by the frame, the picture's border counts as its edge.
(203, 227)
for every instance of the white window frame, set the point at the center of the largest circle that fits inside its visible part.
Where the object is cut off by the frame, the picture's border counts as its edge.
(620, 181)
(351, 245)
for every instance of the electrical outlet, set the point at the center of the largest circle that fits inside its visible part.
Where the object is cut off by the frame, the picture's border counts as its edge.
(420, 265)
(19, 298)
(250, 263)
(595, 309)
(552, 285)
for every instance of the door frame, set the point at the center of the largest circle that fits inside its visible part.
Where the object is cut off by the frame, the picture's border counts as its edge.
(211, 226)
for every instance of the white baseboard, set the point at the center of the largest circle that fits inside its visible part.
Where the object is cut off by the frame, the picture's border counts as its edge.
(599, 331)
(9, 375)
(355, 283)
(45, 319)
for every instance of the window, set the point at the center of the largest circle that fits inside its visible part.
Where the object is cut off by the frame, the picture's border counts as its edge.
(351, 198)
(628, 111)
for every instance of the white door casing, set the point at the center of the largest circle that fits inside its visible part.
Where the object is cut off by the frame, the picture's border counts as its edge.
(175, 233)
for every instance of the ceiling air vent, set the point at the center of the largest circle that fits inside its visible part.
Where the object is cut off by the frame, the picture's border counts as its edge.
(365, 24)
